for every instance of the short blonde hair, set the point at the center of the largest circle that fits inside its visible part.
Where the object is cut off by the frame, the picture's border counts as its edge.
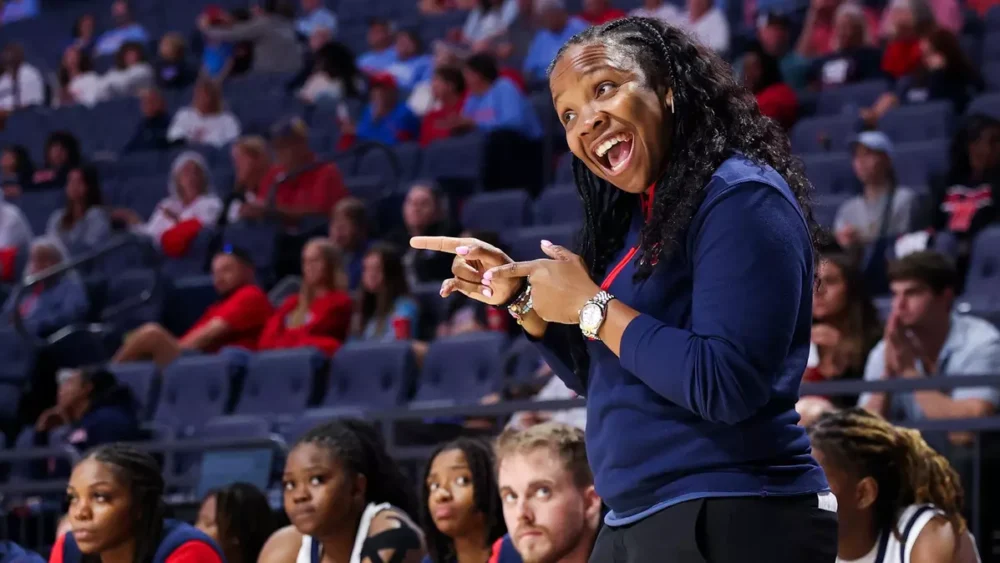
(255, 145)
(565, 441)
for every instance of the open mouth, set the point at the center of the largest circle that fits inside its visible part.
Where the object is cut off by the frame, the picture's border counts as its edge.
(615, 152)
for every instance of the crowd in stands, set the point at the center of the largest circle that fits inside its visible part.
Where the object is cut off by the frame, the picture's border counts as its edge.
(231, 146)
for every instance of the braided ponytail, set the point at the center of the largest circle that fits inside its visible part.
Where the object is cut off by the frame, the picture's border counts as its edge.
(931, 478)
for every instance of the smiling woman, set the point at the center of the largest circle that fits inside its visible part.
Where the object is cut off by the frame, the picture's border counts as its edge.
(685, 318)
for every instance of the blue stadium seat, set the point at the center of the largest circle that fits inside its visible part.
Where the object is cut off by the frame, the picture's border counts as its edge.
(461, 369)
(983, 279)
(194, 390)
(195, 260)
(279, 382)
(219, 428)
(850, 97)
(825, 133)
(496, 211)
(187, 301)
(433, 309)
(455, 159)
(559, 205)
(521, 361)
(831, 173)
(991, 46)
(988, 104)
(38, 205)
(257, 238)
(991, 74)
(126, 287)
(370, 375)
(919, 122)
(916, 163)
(564, 170)
(17, 358)
(525, 243)
(141, 378)
(825, 206)
(10, 396)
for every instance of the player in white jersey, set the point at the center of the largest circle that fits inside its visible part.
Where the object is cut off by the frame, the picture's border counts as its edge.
(898, 500)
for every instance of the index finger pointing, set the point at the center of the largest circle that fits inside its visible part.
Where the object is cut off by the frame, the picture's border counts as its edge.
(441, 244)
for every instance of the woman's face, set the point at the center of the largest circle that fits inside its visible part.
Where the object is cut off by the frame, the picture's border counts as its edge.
(57, 155)
(450, 495)
(615, 123)
(87, 26)
(244, 165)
(751, 71)
(314, 266)
(320, 496)
(76, 186)
(984, 152)
(419, 209)
(72, 390)
(830, 294)
(100, 507)
(871, 167)
(406, 47)
(203, 100)
(851, 499)
(344, 232)
(372, 276)
(206, 521)
(902, 21)
(132, 57)
(8, 162)
(71, 59)
(190, 181)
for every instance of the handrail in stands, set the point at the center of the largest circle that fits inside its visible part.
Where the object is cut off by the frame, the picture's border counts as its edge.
(37, 342)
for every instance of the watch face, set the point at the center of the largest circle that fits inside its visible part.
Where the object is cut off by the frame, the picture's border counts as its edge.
(590, 316)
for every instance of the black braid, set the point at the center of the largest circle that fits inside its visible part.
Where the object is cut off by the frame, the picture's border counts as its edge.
(713, 117)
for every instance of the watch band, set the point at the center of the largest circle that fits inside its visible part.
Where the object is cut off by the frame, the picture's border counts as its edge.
(522, 304)
(601, 300)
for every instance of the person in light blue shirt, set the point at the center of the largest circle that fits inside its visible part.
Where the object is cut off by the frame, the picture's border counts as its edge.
(316, 16)
(924, 338)
(14, 10)
(556, 28)
(494, 102)
(125, 31)
(381, 54)
(386, 118)
(412, 65)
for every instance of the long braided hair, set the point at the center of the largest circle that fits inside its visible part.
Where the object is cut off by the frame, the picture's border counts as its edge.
(907, 470)
(486, 497)
(141, 474)
(714, 116)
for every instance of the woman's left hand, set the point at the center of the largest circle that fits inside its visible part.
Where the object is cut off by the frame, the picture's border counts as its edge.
(560, 287)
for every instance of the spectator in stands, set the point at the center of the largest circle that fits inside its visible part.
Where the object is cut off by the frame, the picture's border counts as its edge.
(236, 319)
(191, 205)
(448, 88)
(239, 519)
(16, 10)
(966, 198)
(338, 480)
(908, 21)
(272, 32)
(319, 315)
(425, 213)
(205, 121)
(15, 235)
(55, 303)
(659, 9)
(11, 552)
(819, 36)
(130, 74)
(884, 209)
(385, 118)
(82, 224)
(923, 338)
(944, 73)
(708, 24)
(125, 31)
(78, 83)
(556, 27)
(494, 102)
(386, 310)
(487, 22)
(335, 76)
(251, 162)
(762, 76)
(461, 513)
(547, 490)
(116, 507)
(349, 234)
(151, 131)
(775, 36)
(554, 389)
(96, 408)
(596, 12)
(84, 33)
(412, 64)
(172, 70)
(16, 171)
(62, 154)
(217, 57)
(21, 84)
(946, 14)
(421, 99)
(845, 324)
(852, 58)
(381, 52)
(895, 494)
(299, 185)
(315, 16)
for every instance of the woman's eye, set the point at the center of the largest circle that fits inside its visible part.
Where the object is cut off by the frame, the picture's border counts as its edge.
(604, 88)
(567, 116)
(433, 487)
(462, 481)
(288, 485)
(315, 481)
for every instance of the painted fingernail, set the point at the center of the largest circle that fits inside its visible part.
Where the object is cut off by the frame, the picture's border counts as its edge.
(546, 243)
(486, 281)
(488, 275)
(487, 292)
(463, 250)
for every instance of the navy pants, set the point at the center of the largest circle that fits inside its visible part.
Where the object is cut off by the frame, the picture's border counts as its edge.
(726, 530)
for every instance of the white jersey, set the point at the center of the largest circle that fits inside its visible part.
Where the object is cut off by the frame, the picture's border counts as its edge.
(889, 548)
(311, 552)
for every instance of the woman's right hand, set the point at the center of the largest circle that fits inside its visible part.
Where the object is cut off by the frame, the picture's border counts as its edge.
(472, 258)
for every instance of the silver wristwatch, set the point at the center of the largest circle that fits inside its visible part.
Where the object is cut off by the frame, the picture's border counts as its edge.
(593, 313)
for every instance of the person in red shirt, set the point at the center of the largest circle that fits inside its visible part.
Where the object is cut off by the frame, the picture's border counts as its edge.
(596, 12)
(116, 513)
(299, 185)
(319, 315)
(762, 76)
(448, 87)
(237, 319)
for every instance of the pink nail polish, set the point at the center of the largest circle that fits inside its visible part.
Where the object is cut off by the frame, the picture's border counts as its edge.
(486, 281)
(462, 250)
(546, 243)
(488, 275)
(488, 292)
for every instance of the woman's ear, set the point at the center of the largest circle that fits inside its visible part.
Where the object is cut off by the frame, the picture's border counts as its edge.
(867, 493)
(360, 489)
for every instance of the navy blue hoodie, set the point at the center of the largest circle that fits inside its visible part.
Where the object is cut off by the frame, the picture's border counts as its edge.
(702, 401)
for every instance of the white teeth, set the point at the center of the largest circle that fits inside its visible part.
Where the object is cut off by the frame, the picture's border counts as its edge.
(604, 147)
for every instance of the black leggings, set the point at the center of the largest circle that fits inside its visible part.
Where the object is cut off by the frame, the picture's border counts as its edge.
(726, 530)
